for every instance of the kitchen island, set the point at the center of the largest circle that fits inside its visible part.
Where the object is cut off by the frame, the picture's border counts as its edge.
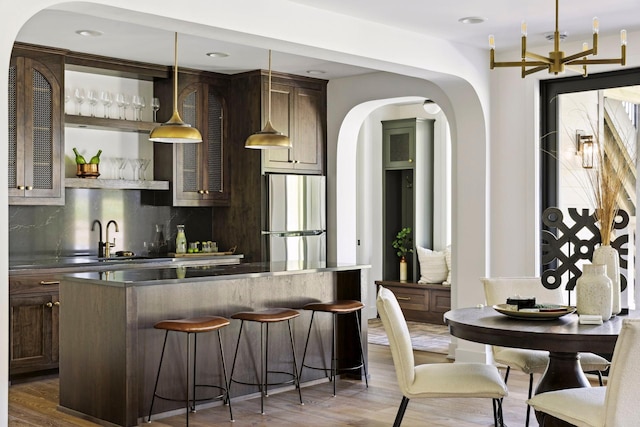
(109, 350)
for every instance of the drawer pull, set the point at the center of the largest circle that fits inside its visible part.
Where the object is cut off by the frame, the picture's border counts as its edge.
(49, 304)
(403, 298)
(49, 282)
(57, 303)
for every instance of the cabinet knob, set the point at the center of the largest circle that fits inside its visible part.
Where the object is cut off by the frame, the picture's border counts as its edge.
(410, 160)
(206, 191)
(29, 187)
(20, 187)
(49, 304)
(57, 303)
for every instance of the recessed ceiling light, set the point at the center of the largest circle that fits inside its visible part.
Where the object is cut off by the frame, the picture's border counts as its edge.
(315, 72)
(472, 20)
(89, 33)
(217, 54)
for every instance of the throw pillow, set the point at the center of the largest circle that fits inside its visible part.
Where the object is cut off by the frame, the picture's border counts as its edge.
(433, 267)
(447, 258)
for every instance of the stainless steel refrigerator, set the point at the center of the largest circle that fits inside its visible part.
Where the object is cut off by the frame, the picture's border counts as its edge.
(296, 219)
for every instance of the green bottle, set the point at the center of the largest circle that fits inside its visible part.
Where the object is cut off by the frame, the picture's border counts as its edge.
(79, 158)
(96, 159)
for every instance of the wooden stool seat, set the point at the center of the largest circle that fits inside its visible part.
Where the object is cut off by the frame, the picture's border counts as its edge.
(340, 306)
(194, 324)
(269, 315)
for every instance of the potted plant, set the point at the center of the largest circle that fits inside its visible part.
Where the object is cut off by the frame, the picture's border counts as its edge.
(403, 245)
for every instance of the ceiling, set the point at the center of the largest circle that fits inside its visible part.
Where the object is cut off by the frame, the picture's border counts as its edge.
(56, 27)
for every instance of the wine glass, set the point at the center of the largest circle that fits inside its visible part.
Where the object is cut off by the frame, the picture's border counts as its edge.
(67, 96)
(120, 100)
(92, 97)
(155, 105)
(143, 104)
(127, 104)
(79, 97)
(137, 103)
(107, 100)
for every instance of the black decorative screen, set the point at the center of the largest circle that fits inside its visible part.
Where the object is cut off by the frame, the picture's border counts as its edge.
(566, 241)
(190, 151)
(13, 128)
(42, 132)
(214, 141)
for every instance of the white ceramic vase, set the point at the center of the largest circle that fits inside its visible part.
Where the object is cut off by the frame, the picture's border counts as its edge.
(593, 291)
(403, 269)
(607, 255)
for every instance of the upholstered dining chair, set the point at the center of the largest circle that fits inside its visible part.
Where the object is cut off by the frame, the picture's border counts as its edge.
(497, 290)
(615, 405)
(438, 379)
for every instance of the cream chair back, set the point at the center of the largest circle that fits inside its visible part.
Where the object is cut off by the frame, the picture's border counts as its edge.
(621, 401)
(498, 289)
(397, 331)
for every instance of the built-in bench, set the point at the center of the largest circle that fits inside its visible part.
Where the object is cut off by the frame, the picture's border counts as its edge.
(421, 302)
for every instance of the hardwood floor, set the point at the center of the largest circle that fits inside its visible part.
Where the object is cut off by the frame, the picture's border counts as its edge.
(34, 404)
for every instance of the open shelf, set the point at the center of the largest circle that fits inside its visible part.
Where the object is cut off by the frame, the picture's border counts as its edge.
(115, 184)
(108, 124)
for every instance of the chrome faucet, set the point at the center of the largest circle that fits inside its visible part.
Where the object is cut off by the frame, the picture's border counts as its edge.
(100, 242)
(108, 245)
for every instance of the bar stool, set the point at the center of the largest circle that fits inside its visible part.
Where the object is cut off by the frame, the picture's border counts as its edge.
(265, 317)
(336, 308)
(194, 326)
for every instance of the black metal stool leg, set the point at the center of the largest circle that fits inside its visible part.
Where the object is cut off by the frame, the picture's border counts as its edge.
(235, 356)
(334, 362)
(155, 387)
(263, 367)
(358, 315)
(295, 365)
(227, 398)
(306, 344)
(187, 388)
(195, 355)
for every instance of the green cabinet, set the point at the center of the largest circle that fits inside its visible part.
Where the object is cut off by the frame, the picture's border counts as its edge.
(408, 190)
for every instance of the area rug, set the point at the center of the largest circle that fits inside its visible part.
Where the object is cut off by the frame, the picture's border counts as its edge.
(424, 336)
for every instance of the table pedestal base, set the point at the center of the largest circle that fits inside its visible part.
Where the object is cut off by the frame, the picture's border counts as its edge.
(564, 371)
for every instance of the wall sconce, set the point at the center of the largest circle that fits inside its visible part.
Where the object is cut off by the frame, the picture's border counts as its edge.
(584, 146)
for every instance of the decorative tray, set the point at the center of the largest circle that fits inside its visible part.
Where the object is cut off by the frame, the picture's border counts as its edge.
(541, 312)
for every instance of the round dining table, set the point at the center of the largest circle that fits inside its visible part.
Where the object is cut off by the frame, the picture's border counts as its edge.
(563, 337)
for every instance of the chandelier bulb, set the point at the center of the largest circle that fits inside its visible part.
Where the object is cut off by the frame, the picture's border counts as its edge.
(623, 37)
(596, 25)
(492, 42)
(523, 29)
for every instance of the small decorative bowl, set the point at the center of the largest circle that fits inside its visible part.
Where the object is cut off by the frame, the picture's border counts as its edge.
(88, 170)
(521, 302)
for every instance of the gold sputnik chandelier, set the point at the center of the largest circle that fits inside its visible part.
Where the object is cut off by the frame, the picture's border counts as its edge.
(556, 61)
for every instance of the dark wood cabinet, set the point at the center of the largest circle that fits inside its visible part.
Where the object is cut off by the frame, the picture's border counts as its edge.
(36, 166)
(298, 112)
(420, 302)
(243, 221)
(198, 173)
(34, 306)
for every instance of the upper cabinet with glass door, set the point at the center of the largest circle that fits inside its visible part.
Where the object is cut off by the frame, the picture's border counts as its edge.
(198, 172)
(35, 127)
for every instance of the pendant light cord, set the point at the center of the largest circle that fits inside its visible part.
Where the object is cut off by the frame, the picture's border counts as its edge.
(175, 73)
(269, 115)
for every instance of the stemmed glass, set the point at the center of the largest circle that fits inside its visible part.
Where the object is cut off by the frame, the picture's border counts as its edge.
(67, 96)
(135, 167)
(138, 104)
(106, 99)
(92, 97)
(122, 164)
(79, 97)
(127, 104)
(155, 104)
(144, 164)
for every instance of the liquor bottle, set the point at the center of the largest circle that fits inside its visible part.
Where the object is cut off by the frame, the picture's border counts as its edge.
(96, 159)
(79, 158)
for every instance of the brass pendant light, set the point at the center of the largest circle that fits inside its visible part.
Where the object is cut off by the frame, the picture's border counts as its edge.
(175, 130)
(268, 137)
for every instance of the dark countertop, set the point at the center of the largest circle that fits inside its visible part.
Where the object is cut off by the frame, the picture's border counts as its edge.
(45, 264)
(201, 273)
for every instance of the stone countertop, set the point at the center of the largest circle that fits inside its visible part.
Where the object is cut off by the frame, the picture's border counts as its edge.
(46, 264)
(200, 273)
